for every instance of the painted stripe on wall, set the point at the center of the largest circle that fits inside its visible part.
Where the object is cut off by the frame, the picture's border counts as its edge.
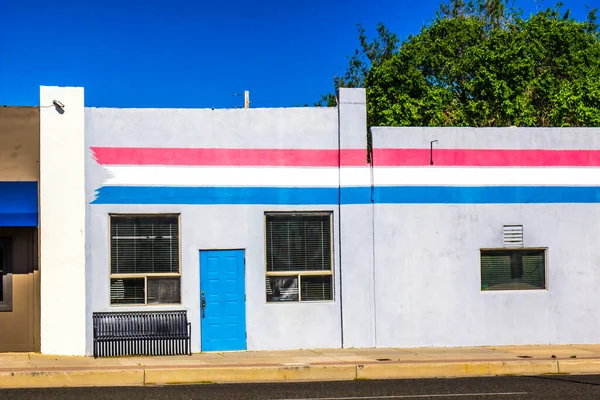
(349, 195)
(486, 176)
(348, 157)
(349, 176)
(222, 176)
(485, 195)
(125, 175)
(230, 157)
(487, 157)
(215, 195)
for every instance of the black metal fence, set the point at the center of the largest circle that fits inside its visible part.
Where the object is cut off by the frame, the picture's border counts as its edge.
(155, 333)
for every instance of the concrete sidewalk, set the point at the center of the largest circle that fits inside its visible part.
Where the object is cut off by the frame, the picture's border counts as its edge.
(35, 370)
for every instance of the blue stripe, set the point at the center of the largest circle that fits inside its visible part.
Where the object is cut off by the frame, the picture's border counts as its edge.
(485, 194)
(215, 195)
(349, 195)
(18, 204)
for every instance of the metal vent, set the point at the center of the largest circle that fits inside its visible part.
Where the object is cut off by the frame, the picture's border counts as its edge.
(512, 235)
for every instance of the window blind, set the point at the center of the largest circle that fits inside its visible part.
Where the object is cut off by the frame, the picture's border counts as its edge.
(298, 243)
(127, 291)
(513, 269)
(144, 244)
(282, 288)
(316, 288)
(164, 290)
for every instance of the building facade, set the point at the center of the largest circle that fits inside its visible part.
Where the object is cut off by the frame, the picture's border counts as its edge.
(19, 269)
(272, 231)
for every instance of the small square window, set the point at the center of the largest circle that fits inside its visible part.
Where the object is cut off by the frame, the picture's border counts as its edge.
(282, 288)
(164, 290)
(127, 291)
(523, 269)
(316, 287)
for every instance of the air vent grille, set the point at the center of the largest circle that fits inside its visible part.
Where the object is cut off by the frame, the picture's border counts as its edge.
(512, 235)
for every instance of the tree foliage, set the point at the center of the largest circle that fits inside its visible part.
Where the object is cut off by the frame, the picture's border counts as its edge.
(481, 63)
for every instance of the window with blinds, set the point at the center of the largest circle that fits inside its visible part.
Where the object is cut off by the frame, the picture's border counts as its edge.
(144, 259)
(513, 269)
(299, 257)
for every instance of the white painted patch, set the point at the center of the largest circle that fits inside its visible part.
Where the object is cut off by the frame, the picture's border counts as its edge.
(486, 176)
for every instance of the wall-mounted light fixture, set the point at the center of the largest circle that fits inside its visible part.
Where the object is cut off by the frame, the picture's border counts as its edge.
(431, 151)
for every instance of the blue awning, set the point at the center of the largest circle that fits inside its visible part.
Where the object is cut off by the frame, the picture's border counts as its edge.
(18, 204)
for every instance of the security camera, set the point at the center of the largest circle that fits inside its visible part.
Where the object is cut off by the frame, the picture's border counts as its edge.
(58, 104)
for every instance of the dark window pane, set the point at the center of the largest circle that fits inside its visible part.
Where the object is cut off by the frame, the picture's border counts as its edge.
(316, 288)
(513, 269)
(282, 288)
(127, 291)
(298, 243)
(143, 244)
(1, 274)
(164, 291)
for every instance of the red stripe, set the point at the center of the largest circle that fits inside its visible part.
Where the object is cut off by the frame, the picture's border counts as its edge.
(348, 157)
(487, 158)
(228, 157)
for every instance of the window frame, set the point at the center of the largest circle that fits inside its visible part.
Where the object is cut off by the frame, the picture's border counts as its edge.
(144, 276)
(6, 305)
(505, 249)
(299, 274)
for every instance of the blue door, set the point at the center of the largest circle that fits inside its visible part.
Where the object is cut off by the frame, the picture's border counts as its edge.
(222, 300)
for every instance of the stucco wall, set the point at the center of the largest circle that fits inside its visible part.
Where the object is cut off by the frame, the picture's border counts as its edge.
(269, 326)
(428, 289)
(20, 138)
(62, 222)
(358, 300)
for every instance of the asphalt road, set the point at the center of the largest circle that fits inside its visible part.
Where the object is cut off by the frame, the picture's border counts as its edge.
(505, 388)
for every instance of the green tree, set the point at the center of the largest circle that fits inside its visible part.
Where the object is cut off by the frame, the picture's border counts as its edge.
(481, 63)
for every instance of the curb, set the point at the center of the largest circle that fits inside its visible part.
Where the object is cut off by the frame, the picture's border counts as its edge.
(251, 374)
(337, 372)
(44, 379)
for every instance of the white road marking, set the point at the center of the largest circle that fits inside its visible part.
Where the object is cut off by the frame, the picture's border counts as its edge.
(415, 396)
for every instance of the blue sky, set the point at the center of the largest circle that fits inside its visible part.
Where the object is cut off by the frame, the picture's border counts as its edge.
(186, 53)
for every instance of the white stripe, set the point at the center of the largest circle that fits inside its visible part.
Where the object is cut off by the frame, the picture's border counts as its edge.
(349, 176)
(486, 176)
(222, 176)
(415, 396)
